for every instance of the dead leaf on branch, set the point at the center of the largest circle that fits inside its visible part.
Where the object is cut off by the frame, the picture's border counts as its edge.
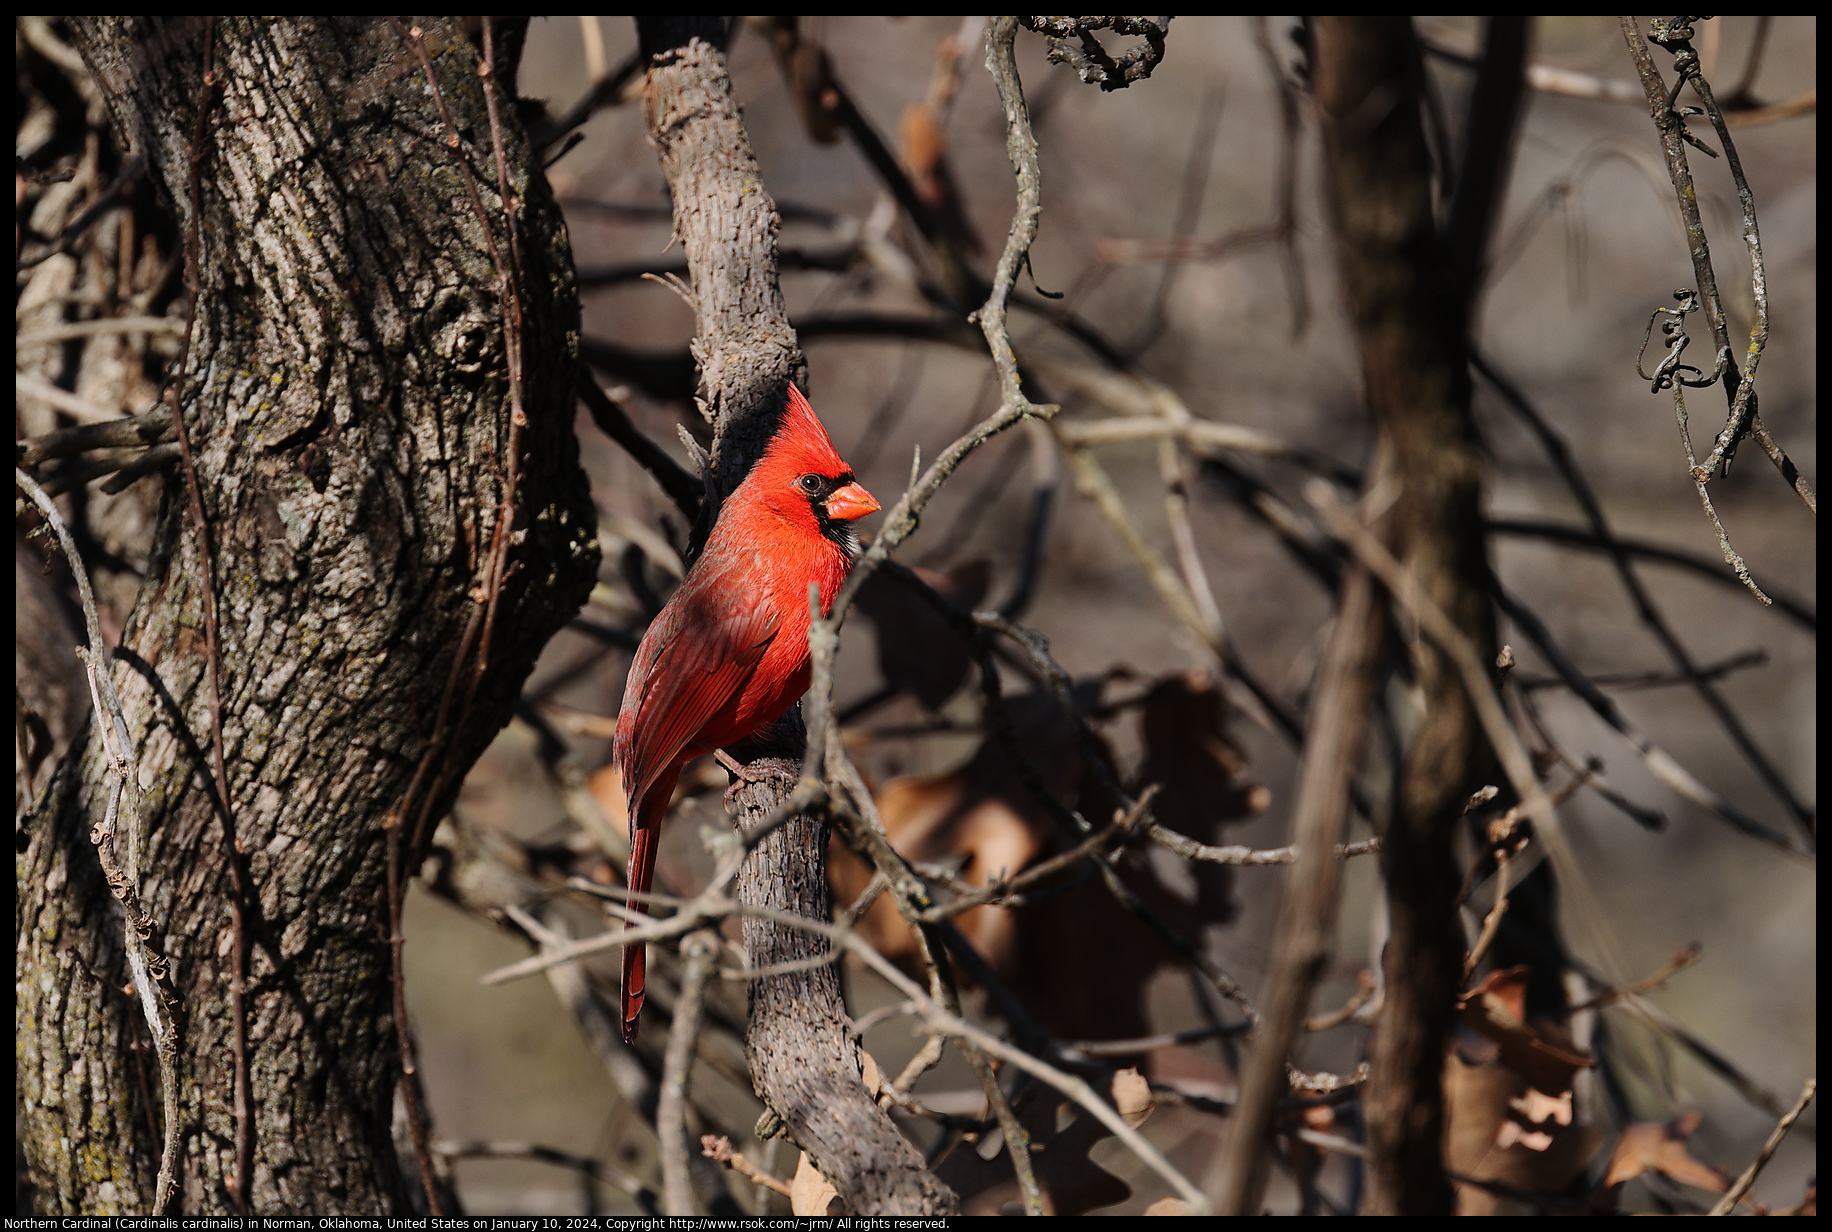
(1507, 1096)
(924, 155)
(1492, 1028)
(1499, 1128)
(1660, 1146)
(810, 1193)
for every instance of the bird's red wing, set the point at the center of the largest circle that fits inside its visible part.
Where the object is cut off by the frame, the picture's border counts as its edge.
(694, 675)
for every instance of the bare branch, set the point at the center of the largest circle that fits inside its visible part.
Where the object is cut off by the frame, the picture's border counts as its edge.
(1735, 1193)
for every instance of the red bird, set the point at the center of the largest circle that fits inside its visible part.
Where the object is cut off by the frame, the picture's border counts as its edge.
(728, 655)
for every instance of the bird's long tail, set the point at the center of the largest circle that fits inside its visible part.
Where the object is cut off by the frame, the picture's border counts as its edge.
(635, 966)
(645, 829)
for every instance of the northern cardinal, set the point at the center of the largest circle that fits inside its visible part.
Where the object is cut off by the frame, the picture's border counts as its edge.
(728, 655)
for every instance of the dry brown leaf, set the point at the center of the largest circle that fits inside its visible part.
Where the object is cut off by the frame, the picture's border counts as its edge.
(606, 786)
(933, 819)
(1660, 1146)
(1536, 1106)
(1131, 1097)
(872, 1076)
(1498, 1128)
(1537, 1051)
(925, 157)
(981, 819)
(924, 146)
(810, 1193)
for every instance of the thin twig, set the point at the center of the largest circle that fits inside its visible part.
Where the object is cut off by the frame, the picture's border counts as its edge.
(90, 415)
(719, 1147)
(1661, 764)
(1643, 549)
(145, 429)
(1247, 857)
(1784, 464)
(1334, 737)
(1561, 456)
(1739, 385)
(709, 907)
(1743, 404)
(1006, 890)
(1502, 835)
(109, 198)
(1735, 1193)
(1672, 967)
(1092, 480)
(1700, 473)
(1491, 924)
(701, 950)
(152, 979)
(1151, 410)
(1127, 1047)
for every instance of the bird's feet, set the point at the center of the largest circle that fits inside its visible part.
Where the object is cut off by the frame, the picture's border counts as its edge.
(745, 776)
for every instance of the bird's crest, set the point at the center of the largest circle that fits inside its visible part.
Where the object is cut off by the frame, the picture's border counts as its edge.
(801, 441)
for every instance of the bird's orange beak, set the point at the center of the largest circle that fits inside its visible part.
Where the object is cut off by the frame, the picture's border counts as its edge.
(849, 502)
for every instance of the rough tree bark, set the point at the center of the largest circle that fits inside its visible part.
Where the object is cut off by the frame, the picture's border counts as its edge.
(804, 1061)
(1409, 287)
(348, 403)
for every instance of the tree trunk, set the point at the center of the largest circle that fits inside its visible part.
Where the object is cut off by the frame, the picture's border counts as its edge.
(1409, 288)
(805, 1063)
(348, 402)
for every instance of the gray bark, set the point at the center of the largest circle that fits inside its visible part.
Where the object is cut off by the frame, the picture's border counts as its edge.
(347, 397)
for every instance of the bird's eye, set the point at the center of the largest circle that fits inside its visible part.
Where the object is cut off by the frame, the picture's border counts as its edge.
(811, 484)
